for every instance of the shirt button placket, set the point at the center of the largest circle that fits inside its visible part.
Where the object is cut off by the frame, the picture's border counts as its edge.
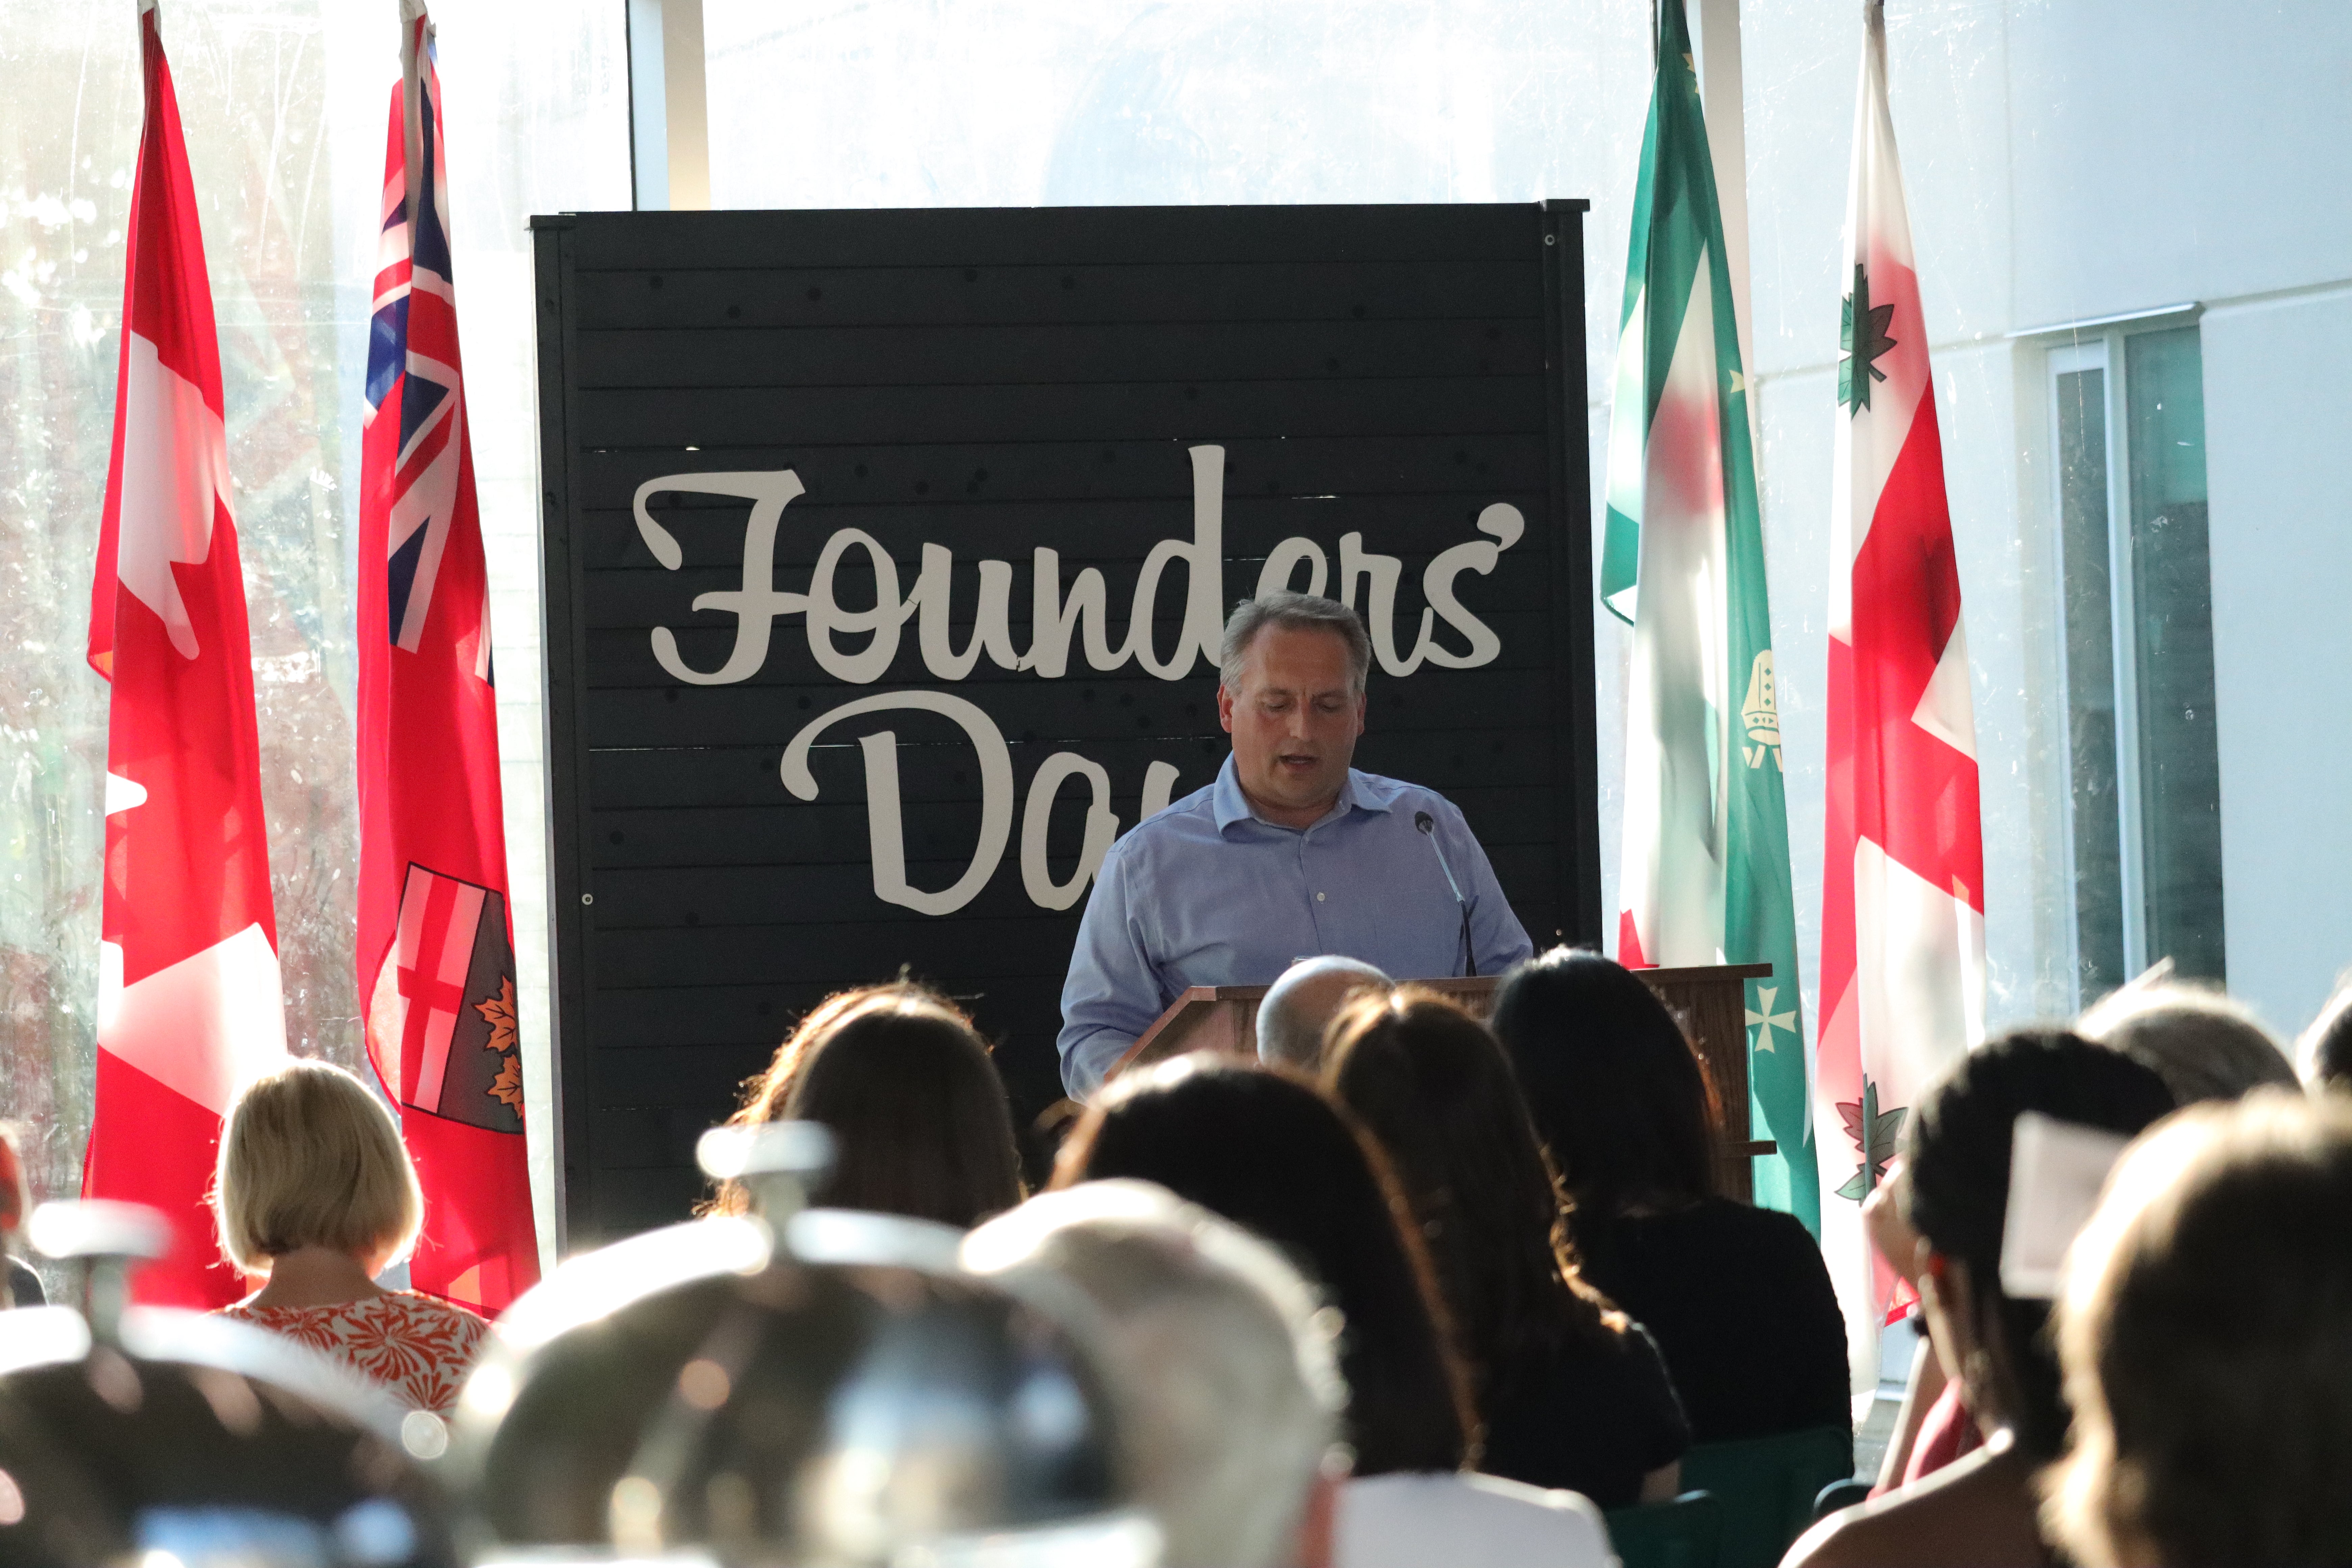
(1306, 883)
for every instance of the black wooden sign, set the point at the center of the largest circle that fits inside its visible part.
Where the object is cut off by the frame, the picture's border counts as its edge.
(886, 554)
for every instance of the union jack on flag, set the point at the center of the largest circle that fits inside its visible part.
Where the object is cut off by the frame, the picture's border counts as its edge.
(437, 971)
(413, 346)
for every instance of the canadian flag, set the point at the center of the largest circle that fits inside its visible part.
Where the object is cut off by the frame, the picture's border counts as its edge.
(1902, 887)
(189, 999)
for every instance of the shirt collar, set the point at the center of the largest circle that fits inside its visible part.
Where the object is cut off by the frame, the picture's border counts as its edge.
(1360, 790)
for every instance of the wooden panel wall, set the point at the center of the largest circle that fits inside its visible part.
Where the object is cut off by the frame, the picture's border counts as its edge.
(996, 382)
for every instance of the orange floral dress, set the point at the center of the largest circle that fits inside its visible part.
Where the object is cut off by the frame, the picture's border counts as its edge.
(417, 1346)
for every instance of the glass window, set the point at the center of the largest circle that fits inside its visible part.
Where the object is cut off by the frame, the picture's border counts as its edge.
(283, 104)
(2172, 628)
(909, 103)
(2143, 807)
(2093, 820)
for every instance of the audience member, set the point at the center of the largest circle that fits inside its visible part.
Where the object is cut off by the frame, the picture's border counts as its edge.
(1269, 1152)
(1299, 1007)
(1980, 1511)
(1932, 1426)
(22, 1287)
(2202, 1043)
(315, 1194)
(2325, 1052)
(1230, 1375)
(1570, 1393)
(899, 1076)
(2206, 1331)
(1737, 1298)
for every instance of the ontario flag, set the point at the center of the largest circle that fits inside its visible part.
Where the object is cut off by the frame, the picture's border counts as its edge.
(1705, 876)
(1902, 887)
(437, 971)
(189, 1001)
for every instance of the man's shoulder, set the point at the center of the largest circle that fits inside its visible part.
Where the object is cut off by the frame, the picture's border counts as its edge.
(1399, 794)
(1187, 820)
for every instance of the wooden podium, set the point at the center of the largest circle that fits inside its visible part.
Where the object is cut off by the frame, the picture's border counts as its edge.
(1710, 1003)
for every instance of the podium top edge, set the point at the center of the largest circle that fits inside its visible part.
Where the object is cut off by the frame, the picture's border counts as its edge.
(1704, 972)
(1434, 981)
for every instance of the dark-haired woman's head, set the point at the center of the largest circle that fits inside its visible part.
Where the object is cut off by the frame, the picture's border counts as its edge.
(1957, 1155)
(1616, 1092)
(1433, 1088)
(899, 1076)
(1270, 1153)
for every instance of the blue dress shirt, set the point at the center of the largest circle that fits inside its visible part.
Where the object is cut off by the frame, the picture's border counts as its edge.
(1208, 893)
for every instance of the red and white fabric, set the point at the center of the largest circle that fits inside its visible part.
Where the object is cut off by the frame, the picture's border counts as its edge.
(190, 1004)
(419, 1349)
(1901, 991)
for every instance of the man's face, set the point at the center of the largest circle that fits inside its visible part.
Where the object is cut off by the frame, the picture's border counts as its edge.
(1294, 719)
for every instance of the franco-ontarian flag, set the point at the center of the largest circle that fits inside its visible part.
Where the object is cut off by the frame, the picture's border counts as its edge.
(1704, 874)
(1903, 879)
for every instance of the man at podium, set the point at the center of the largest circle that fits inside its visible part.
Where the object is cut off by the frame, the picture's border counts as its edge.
(1291, 853)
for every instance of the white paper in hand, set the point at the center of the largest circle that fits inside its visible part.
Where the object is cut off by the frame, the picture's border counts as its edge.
(2055, 1171)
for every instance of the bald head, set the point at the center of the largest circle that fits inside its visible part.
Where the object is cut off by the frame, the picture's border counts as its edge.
(1291, 1019)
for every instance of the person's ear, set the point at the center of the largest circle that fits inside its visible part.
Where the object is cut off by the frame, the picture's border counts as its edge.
(1225, 706)
(1318, 1529)
(1945, 1285)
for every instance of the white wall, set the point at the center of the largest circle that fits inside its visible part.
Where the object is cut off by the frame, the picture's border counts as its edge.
(2278, 433)
(2069, 160)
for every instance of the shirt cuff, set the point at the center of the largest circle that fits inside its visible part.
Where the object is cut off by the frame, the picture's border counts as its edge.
(1089, 1061)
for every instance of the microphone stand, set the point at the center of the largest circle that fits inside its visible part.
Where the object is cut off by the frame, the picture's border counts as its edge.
(1428, 825)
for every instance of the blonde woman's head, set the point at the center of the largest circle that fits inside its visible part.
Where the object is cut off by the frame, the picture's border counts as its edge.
(309, 1158)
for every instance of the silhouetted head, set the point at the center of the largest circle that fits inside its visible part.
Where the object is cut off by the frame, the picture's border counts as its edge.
(2325, 1048)
(309, 1158)
(2204, 1334)
(1957, 1153)
(2202, 1043)
(1271, 1154)
(1231, 1373)
(899, 1076)
(1433, 1088)
(1616, 1092)
(1299, 1007)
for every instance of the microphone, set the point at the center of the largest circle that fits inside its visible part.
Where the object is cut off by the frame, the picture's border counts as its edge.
(1428, 825)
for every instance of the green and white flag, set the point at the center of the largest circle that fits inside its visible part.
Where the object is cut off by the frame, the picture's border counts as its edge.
(1704, 874)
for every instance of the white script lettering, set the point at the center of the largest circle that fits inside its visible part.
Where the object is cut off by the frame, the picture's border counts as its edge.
(756, 605)
(1057, 617)
(885, 839)
(1037, 877)
(885, 821)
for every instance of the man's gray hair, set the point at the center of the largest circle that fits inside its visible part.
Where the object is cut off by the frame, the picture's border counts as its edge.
(1224, 1356)
(1293, 612)
(1301, 1005)
(2202, 1043)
